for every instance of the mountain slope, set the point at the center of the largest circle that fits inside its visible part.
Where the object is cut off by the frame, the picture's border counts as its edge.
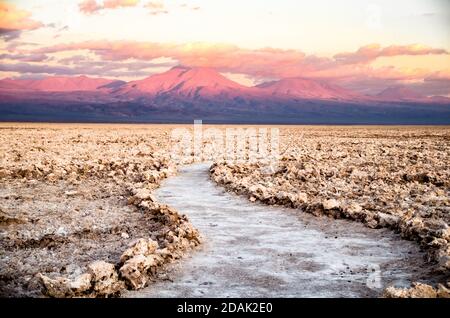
(399, 93)
(306, 89)
(13, 84)
(57, 84)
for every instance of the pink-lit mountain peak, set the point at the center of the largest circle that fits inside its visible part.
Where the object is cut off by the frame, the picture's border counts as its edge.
(185, 81)
(207, 77)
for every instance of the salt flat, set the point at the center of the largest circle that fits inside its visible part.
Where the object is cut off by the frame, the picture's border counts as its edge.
(68, 198)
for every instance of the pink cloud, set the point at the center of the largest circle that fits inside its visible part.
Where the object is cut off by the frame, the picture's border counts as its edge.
(92, 6)
(265, 62)
(89, 6)
(80, 66)
(371, 52)
(112, 4)
(226, 58)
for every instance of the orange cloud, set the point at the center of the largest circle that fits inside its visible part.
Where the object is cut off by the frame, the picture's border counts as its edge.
(92, 6)
(112, 4)
(15, 19)
(371, 52)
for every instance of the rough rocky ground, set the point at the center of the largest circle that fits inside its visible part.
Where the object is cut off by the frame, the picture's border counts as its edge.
(256, 250)
(395, 177)
(77, 217)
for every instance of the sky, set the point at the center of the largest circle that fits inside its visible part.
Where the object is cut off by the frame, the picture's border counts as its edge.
(361, 45)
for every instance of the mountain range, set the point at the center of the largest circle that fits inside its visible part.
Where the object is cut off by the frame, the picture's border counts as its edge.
(183, 93)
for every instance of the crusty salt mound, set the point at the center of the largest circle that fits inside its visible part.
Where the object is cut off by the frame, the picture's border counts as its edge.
(383, 177)
(418, 290)
(77, 217)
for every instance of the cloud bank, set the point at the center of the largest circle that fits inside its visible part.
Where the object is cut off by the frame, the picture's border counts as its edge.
(259, 63)
(14, 20)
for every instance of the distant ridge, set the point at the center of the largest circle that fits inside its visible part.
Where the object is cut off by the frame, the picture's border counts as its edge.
(57, 83)
(308, 89)
(183, 93)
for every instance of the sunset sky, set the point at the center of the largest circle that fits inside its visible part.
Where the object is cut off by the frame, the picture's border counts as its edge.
(361, 45)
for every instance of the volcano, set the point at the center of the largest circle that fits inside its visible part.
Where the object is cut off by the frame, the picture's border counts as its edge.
(185, 81)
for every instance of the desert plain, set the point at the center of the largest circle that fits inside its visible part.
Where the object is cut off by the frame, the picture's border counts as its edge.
(78, 217)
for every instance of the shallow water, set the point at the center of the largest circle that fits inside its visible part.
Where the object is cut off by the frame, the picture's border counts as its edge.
(253, 250)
